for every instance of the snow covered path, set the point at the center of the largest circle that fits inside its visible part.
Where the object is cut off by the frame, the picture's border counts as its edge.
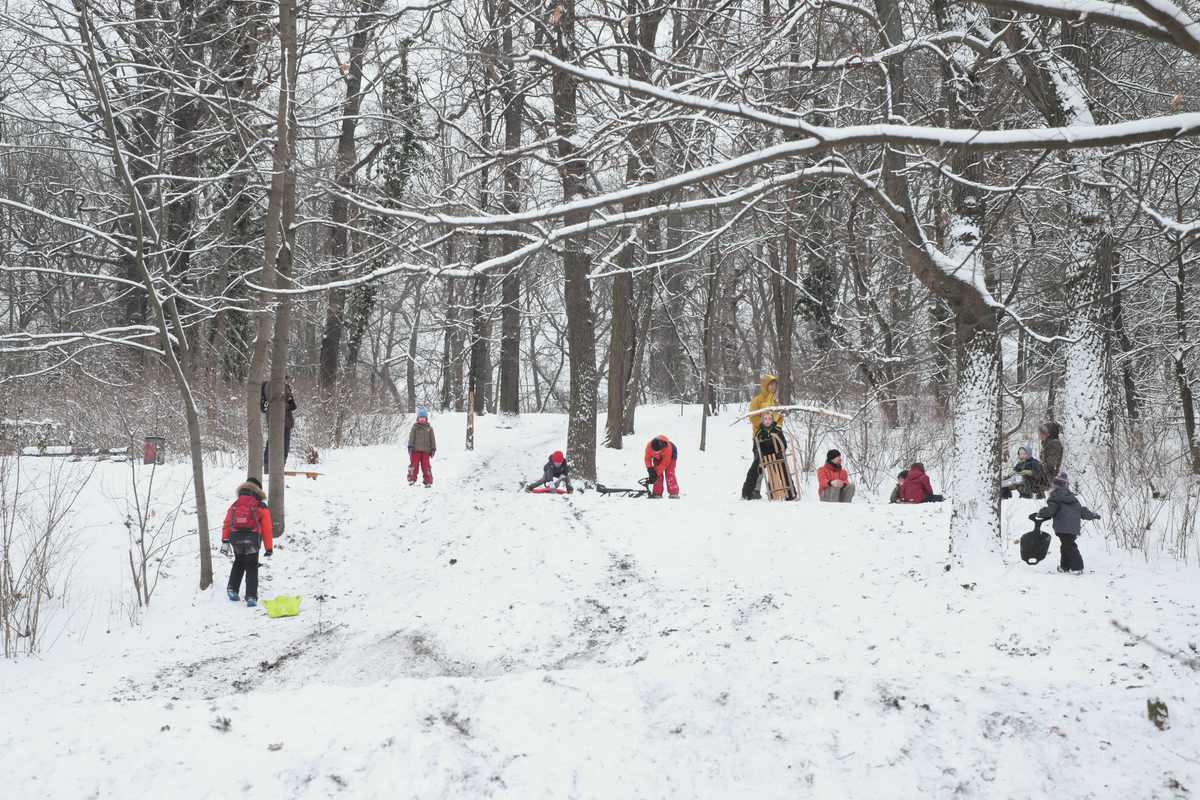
(474, 641)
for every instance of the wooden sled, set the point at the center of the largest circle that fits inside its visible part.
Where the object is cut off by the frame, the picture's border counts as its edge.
(292, 473)
(778, 480)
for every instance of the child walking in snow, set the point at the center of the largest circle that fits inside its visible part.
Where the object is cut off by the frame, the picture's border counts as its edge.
(661, 457)
(556, 472)
(422, 445)
(1067, 512)
(247, 525)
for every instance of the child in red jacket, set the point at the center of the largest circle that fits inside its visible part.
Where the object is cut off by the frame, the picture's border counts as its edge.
(661, 457)
(916, 487)
(247, 525)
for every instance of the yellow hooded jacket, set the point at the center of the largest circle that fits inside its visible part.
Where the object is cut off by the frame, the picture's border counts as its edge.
(764, 399)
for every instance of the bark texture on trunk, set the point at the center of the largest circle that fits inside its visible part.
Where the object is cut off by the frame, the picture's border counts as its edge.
(581, 333)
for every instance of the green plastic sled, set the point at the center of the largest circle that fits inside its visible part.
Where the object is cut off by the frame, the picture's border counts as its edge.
(286, 605)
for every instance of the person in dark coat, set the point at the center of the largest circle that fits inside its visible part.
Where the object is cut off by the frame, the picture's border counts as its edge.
(1067, 513)
(895, 498)
(1052, 456)
(557, 471)
(289, 419)
(1026, 476)
(769, 440)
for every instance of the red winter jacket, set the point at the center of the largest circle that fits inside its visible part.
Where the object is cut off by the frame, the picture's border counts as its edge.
(264, 515)
(830, 472)
(661, 460)
(916, 487)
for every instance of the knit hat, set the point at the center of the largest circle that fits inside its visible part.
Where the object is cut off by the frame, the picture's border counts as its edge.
(1028, 452)
(1062, 480)
(658, 443)
(422, 413)
(255, 481)
(831, 455)
(557, 457)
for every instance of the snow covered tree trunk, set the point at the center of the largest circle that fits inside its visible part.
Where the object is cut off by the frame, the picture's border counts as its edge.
(975, 514)
(1057, 87)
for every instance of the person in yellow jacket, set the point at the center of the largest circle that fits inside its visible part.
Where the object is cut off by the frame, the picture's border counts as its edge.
(764, 399)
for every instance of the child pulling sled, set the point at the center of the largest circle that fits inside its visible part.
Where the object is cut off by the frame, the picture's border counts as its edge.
(1064, 508)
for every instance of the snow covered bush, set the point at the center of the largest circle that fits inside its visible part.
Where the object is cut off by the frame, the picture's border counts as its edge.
(36, 526)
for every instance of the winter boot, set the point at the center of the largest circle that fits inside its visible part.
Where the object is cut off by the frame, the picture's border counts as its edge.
(251, 601)
(674, 497)
(232, 595)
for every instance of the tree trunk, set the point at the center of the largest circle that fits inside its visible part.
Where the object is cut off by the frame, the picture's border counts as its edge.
(510, 288)
(581, 333)
(139, 220)
(286, 147)
(347, 157)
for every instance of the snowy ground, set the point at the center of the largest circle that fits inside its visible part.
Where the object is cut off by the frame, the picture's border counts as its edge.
(475, 641)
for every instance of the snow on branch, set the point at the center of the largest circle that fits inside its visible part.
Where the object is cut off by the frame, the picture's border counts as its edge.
(1116, 15)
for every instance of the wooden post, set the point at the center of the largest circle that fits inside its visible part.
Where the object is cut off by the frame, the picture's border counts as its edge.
(471, 419)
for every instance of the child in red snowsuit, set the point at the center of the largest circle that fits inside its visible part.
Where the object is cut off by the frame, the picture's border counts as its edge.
(422, 445)
(661, 457)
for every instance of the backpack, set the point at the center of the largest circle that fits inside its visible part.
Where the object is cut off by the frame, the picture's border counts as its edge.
(1035, 544)
(245, 530)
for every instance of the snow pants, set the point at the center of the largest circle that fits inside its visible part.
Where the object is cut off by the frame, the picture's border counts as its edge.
(245, 565)
(1070, 559)
(672, 485)
(753, 476)
(835, 494)
(419, 458)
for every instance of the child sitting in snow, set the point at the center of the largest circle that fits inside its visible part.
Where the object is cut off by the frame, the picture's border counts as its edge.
(247, 525)
(1065, 509)
(422, 445)
(1026, 476)
(556, 473)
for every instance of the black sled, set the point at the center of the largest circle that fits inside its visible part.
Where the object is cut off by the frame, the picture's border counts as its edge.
(643, 492)
(1035, 544)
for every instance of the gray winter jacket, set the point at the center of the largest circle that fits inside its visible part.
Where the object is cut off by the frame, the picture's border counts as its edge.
(1065, 509)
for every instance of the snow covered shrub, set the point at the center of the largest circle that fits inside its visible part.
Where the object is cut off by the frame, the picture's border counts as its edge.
(35, 544)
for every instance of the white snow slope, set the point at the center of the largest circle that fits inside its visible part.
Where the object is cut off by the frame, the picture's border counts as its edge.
(476, 641)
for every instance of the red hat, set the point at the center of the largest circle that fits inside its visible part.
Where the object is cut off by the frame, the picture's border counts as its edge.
(557, 457)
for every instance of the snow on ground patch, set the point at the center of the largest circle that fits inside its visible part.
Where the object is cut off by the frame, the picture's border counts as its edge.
(472, 641)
